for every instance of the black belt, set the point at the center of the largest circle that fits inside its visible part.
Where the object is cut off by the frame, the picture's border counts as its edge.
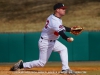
(49, 40)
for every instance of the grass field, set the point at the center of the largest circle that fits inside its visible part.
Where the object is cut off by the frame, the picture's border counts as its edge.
(54, 68)
(20, 19)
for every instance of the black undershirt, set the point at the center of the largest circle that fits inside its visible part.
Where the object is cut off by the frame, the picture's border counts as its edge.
(62, 34)
(67, 29)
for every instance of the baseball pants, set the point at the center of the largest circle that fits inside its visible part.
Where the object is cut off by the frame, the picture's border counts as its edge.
(45, 49)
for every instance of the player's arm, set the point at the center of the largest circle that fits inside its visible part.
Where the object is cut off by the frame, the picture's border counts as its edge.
(62, 34)
(67, 29)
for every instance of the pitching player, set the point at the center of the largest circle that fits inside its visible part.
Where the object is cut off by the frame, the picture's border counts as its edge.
(48, 42)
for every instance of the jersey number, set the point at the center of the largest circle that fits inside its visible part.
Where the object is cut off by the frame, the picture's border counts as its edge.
(47, 22)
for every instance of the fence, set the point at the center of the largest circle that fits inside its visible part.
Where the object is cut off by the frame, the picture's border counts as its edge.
(15, 46)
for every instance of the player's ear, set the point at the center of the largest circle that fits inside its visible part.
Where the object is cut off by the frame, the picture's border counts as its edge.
(56, 10)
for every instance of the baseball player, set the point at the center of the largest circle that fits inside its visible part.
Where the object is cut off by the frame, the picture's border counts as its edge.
(48, 42)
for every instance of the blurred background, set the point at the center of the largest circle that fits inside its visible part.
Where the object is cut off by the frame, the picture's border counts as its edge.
(21, 22)
(30, 15)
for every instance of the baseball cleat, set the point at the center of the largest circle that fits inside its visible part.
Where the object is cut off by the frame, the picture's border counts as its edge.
(18, 65)
(68, 71)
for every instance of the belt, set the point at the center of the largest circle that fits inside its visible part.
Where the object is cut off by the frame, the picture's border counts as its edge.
(49, 40)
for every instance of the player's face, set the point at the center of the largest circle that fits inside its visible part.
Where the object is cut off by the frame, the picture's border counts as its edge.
(62, 11)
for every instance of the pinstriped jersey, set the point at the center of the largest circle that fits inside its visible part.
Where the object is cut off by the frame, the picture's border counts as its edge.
(52, 27)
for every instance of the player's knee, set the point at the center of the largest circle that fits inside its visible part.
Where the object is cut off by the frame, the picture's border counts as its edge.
(42, 63)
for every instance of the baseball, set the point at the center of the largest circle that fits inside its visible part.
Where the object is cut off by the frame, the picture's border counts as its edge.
(72, 39)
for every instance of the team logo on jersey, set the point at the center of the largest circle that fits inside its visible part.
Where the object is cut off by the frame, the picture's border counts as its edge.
(61, 26)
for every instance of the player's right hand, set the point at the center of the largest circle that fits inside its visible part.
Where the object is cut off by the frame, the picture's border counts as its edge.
(69, 40)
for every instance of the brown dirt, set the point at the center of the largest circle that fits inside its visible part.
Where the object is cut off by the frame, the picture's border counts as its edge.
(44, 71)
(48, 70)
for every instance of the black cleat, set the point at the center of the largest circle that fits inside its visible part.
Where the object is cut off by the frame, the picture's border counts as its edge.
(18, 65)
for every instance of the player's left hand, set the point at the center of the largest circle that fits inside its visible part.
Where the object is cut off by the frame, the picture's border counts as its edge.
(76, 30)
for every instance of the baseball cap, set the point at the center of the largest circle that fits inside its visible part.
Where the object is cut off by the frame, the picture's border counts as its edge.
(59, 5)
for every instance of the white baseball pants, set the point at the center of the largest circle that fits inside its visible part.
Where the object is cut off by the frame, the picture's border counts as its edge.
(45, 49)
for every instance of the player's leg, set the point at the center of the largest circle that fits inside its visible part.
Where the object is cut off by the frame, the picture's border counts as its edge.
(59, 47)
(45, 49)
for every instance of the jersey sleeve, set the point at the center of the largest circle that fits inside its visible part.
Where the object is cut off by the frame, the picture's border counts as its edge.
(57, 26)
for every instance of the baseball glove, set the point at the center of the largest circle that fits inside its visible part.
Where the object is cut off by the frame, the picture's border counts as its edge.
(76, 30)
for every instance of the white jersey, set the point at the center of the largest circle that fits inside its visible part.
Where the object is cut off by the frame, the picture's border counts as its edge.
(52, 27)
